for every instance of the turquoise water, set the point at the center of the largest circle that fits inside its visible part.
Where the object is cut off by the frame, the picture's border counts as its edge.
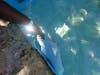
(75, 26)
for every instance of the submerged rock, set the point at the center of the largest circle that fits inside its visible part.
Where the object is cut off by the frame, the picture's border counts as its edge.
(18, 56)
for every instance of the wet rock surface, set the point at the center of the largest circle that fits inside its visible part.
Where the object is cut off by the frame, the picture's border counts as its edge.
(17, 56)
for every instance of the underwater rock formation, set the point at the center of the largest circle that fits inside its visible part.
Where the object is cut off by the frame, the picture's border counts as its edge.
(17, 56)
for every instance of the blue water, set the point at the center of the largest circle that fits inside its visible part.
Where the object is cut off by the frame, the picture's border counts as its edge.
(80, 46)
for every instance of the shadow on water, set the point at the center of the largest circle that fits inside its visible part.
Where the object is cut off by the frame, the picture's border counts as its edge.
(75, 26)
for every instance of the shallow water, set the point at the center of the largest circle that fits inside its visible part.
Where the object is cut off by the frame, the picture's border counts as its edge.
(75, 26)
